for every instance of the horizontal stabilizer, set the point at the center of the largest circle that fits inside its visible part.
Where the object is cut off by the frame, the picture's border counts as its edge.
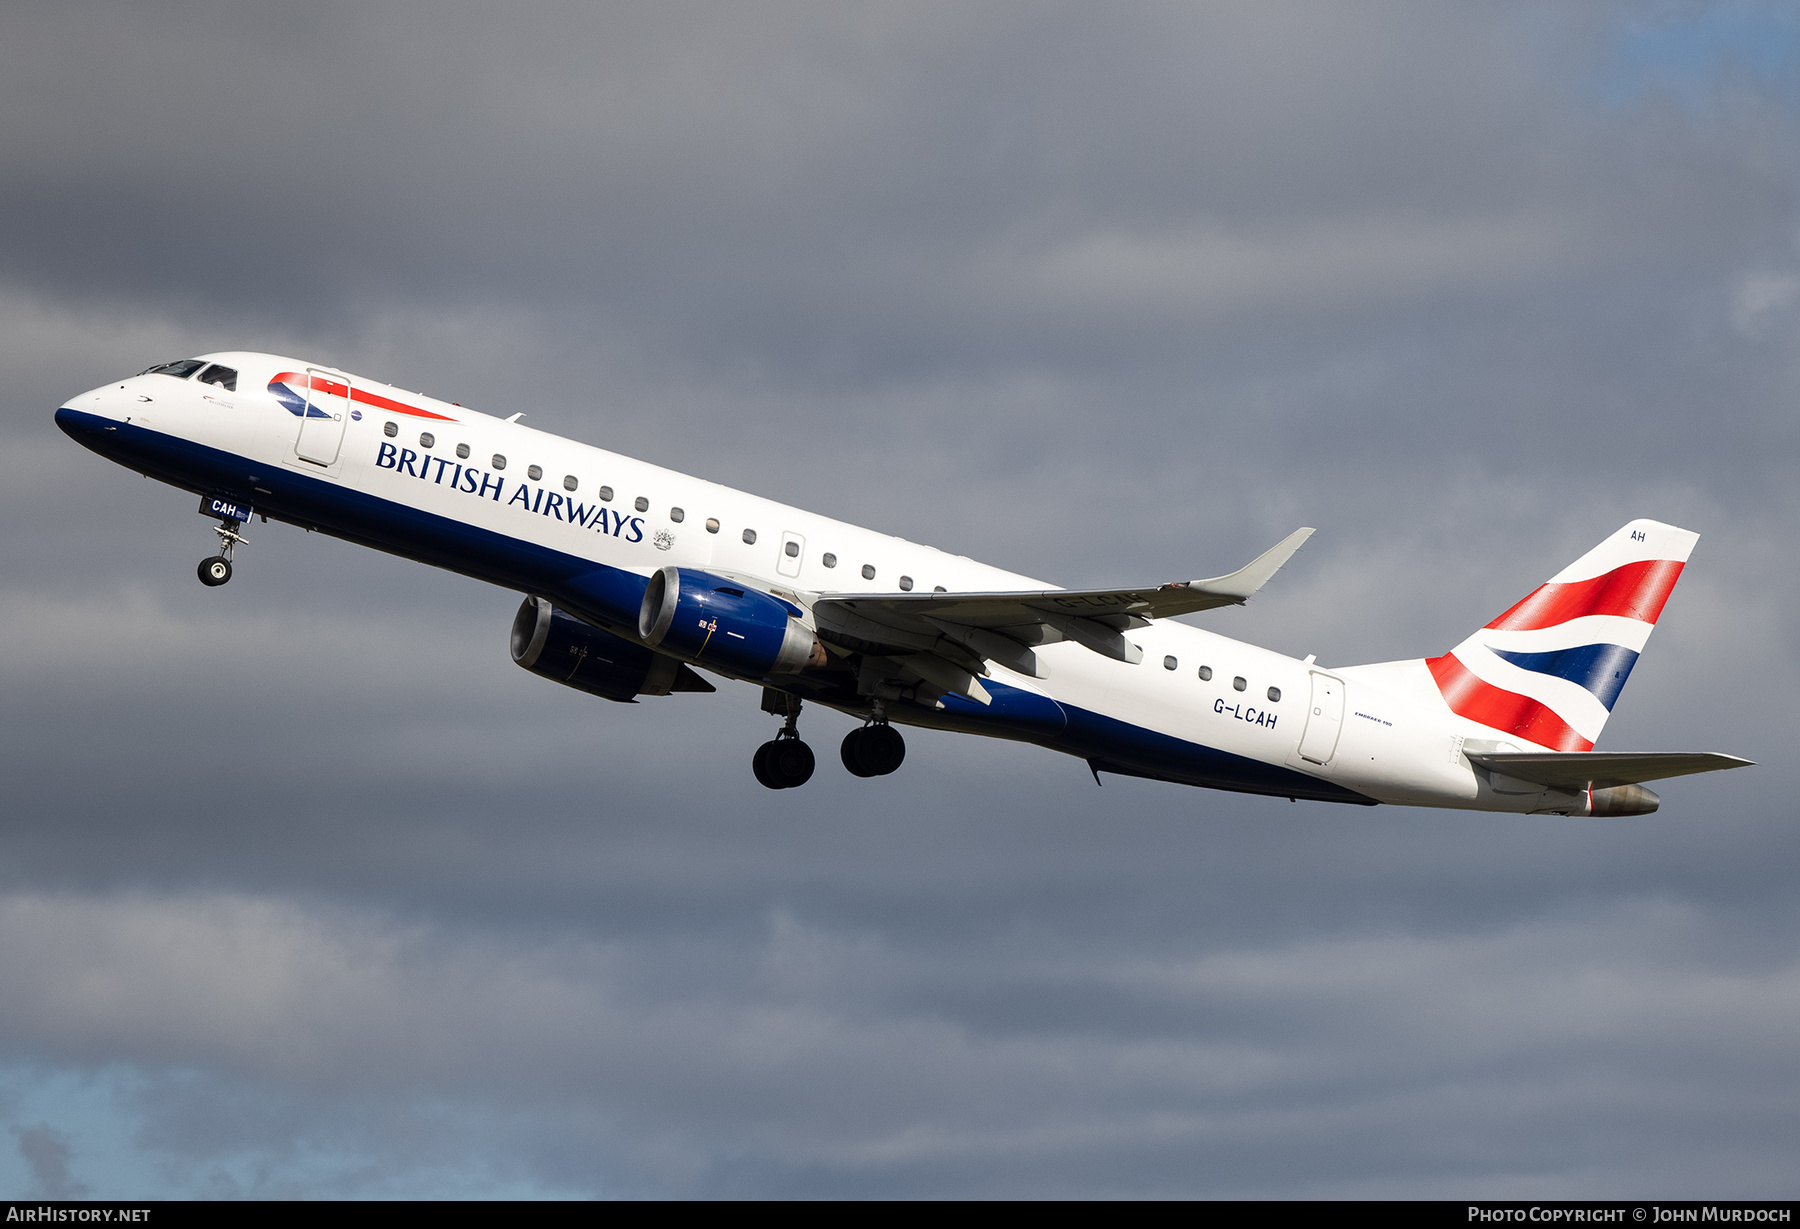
(1574, 770)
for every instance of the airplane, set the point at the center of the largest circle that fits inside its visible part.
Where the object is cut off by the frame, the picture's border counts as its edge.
(633, 576)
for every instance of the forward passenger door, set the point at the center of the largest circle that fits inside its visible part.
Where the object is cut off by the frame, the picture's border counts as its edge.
(327, 409)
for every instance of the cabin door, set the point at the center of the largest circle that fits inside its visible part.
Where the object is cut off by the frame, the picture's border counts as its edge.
(327, 408)
(1324, 719)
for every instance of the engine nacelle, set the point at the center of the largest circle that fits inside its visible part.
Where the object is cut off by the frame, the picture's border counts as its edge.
(721, 623)
(555, 645)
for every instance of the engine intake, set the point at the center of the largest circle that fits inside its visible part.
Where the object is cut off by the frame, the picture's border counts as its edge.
(720, 623)
(556, 645)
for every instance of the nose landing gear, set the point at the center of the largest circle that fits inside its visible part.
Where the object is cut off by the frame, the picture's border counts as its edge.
(784, 761)
(215, 570)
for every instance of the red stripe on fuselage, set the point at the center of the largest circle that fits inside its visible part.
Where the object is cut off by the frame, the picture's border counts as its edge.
(1632, 591)
(1468, 696)
(336, 389)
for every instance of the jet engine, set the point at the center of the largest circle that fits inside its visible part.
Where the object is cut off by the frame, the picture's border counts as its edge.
(721, 623)
(556, 645)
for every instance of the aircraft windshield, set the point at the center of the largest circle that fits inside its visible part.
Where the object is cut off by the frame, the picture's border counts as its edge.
(181, 369)
(224, 377)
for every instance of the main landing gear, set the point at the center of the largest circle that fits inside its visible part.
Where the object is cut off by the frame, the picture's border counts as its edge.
(216, 570)
(784, 761)
(873, 750)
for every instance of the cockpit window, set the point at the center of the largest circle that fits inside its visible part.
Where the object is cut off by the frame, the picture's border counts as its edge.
(181, 369)
(224, 377)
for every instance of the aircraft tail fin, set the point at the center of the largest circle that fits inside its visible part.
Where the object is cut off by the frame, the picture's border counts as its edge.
(1549, 670)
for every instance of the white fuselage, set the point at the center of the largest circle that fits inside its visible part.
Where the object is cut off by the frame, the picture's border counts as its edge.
(436, 470)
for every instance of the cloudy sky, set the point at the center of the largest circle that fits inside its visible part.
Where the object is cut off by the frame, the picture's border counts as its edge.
(305, 889)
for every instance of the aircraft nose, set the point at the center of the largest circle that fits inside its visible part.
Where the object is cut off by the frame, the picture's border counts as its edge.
(75, 423)
(95, 431)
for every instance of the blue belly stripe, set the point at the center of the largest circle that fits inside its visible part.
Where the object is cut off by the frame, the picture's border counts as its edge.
(1601, 668)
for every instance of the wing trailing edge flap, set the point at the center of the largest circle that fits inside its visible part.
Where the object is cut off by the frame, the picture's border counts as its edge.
(1601, 769)
(948, 676)
(1004, 627)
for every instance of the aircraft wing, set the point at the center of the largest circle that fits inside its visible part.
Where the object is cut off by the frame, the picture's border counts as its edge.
(1602, 769)
(1003, 627)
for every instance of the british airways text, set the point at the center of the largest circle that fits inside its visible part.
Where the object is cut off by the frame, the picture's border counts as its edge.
(481, 484)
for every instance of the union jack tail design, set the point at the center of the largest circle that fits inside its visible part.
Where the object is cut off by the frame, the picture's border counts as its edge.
(1549, 670)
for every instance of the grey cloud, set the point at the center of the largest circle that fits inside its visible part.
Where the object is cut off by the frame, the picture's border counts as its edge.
(344, 903)
(47, 1153)
(647, 170)
(1271, 1064)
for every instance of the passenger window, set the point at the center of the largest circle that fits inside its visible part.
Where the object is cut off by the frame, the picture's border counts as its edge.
(606, 494)
(180, 369)
(829, 560)
(1238, 683)
(906, 584)
(1169, 663)
(792, 549)
(712, 524)
(868, 571)
(570, 482)
(462, 450)
(426, 439)
(534, 472)
(499, 461)
(1206, 674)
(390, 429)
(749, 537)
(1275, 695)
(224, 377)
(677, 515)
(641, 504)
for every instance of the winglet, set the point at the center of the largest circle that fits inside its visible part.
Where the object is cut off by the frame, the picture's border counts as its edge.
(1240, 584)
